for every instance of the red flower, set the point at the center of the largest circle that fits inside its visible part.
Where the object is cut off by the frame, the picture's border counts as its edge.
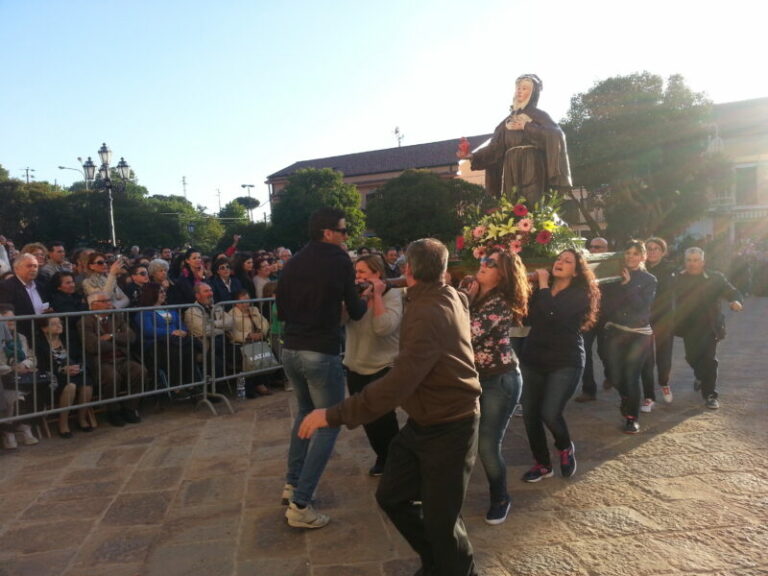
(544, 237)
(520, 210)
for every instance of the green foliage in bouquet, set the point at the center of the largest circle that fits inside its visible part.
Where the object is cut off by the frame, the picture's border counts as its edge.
(531, 232)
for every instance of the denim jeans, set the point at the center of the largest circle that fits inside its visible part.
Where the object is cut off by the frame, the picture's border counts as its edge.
(627, 352)
(318, 381)
(544, 398)
(500, 394)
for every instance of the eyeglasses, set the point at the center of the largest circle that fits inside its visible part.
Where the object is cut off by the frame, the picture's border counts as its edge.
(344, 231)
(489, 262)
(142, 273)
(99, 263)
(224, 267)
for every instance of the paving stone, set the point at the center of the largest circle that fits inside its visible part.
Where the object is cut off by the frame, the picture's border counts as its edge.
(141, 508)
(31, 538)
(197, 559)
(691, 514)
(213, 490)
(134, 569)
(86, 475)
(522, 527)
(125, 545)
(286, 566)
(85, 508)
(266, 534)
(12, 504)
(607, 521)
(80, 491)
(554, 560)
(354, 569)
(122, 456)
(624, 556)
(166, 456)
(50, 563)
(202, 523)
(200, 468)
(360, 541)
(154, 479)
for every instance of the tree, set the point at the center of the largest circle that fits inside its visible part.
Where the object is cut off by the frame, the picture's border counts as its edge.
(638, 146)
(306, 191)
(250, 204)
(419, 204)
(3, 173)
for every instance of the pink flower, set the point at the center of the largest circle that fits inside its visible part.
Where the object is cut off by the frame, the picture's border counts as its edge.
(525, 225)
(515, 246)
(520, 210)
(478, 252)
(478, 232)
(544, 237)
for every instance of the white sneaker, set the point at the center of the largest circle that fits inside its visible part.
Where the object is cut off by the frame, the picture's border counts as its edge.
(9, 441)
(306, 517)
(666, 392)
(26, 435)
(647, 405)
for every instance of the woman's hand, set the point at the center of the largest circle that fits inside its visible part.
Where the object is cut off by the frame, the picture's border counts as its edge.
(625, 276)
(179, 333)
(116, 267)
(255, 336)
(73, 369)
(542, 275)
(377, 287)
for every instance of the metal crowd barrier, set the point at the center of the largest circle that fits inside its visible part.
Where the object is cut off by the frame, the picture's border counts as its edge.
(136, 367)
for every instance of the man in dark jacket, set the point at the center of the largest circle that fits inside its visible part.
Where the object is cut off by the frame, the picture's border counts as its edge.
(700, 322)
(435, 381)
(313, 286)
(25, 293)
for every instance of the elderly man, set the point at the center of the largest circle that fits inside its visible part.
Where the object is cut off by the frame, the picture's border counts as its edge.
(209, 331)
(108, 341)
(25, 292)
(700, 322)
(435, 382)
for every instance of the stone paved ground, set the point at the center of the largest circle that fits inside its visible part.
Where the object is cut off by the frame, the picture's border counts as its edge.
(187, 493)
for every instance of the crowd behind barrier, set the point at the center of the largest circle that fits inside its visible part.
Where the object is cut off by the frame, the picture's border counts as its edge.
(125, 355)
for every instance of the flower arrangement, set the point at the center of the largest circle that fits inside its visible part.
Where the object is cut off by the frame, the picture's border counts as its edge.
(531, 233)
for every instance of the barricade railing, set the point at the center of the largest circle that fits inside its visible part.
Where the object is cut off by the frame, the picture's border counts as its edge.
(110, 356)
(228, 359)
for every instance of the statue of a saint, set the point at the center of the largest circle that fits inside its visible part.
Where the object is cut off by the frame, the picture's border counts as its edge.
(527, 154)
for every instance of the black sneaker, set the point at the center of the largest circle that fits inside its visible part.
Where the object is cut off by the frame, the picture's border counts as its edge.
(537, 473)
(568, 461)
(376, 470)
(497, 513)
(631, 426)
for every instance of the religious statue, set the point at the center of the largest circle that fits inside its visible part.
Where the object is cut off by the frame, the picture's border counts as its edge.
(527, 154)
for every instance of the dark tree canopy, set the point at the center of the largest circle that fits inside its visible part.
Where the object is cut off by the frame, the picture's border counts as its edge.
(306, 191)
(639, 145)
(419, 204)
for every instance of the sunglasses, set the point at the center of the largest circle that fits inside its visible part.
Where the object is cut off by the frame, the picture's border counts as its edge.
(99, 263)
(340, 230)
(489, 262)
(224, 266)
(142, 274)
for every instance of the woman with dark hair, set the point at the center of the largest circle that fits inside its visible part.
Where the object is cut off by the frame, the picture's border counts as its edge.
(138, 277)
(64, 296)
(564, 304)
(372, 345)
(164, 336)
(62, 357)
(498, 296)
(190, 272)
(248, 325)
(628, 331)
(224, 285)
(662, 323)
(242, 269)
(101, 278)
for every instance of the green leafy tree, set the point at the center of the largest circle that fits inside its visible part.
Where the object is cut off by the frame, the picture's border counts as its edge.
(306, 191)
(638, 145)
(418, 204)
(3, 173)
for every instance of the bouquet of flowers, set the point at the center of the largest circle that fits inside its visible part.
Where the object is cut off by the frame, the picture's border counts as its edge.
(531, 233)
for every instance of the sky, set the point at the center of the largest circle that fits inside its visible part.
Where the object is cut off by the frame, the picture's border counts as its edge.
(226, 93)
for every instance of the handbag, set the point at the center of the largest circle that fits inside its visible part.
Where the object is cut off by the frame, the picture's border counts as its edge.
(258, 356)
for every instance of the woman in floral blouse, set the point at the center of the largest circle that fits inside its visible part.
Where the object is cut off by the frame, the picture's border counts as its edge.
(498, 297)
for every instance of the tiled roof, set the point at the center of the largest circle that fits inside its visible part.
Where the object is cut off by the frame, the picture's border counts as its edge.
(742, 118)
(388, 160)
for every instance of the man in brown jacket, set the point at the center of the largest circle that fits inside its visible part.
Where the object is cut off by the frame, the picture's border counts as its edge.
(435, 382)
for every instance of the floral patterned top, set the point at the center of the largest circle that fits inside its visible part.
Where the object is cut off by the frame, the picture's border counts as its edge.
(490, 326)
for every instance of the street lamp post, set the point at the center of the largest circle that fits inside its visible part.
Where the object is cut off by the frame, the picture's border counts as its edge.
(105, 181)
(80, 160)
(248, 187)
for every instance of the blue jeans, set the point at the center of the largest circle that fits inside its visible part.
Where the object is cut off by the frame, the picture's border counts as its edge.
(544, 399)
(627, 352)
(500, 394)
(318, 380)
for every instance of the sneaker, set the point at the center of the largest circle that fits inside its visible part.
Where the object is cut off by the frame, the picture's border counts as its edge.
(584, 398)
(497, 513)
(306, 517)
(712, 403)
(631, 426)
(27, 437)
(666, 392)
(9, 441)
(696, 385)
(377, 469)
(568, 461)
(537, 473)
(647, 405)
(287, 494)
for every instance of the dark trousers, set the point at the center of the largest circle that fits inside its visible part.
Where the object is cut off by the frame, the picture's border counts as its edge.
(381, 431)
(660, 358)
(432, 464)
(700, 353)
(595, 335)
(545, 395)
(627, 352)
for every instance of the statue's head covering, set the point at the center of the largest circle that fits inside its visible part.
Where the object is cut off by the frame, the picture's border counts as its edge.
(538, 86)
